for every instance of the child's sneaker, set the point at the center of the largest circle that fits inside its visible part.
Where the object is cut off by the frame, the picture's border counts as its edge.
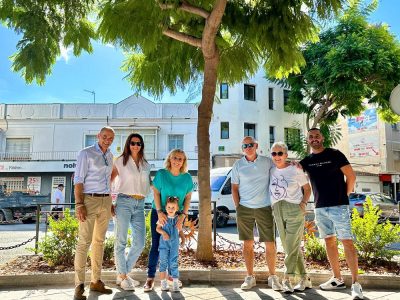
(164, 285)
(175, 285)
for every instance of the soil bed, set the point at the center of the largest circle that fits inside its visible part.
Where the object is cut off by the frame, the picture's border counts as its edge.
(223, 260)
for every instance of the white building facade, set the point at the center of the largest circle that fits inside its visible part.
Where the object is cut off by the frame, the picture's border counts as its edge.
(39, 142)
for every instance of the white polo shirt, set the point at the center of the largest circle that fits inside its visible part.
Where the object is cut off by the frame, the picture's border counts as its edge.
(253, 180)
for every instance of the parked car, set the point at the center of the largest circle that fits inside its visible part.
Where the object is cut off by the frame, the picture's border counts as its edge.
(387, 205)
(220, 184)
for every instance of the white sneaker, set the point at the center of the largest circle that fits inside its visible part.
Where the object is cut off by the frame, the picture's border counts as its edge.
(304, 283)
(287, 286)
(249, 282)
(175, 285)
(333, 284)
(134, 282)
(356, 291)
(164, 285)
(171, 282)
(273, 282)
(127, 285)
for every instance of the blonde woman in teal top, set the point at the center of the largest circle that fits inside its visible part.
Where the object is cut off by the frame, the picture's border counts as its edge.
(173, 181)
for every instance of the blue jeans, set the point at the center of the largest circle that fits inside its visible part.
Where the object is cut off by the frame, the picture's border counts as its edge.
(129, 212)
(155, 242)
(169, 258)
(334, 221)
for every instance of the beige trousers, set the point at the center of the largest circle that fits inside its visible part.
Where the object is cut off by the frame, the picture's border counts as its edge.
(92, 232)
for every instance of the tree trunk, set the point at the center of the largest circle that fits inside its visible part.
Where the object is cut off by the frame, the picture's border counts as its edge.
(204, 245)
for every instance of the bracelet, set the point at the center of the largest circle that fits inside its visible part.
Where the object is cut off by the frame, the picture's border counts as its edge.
(159, 210)
(79, 205)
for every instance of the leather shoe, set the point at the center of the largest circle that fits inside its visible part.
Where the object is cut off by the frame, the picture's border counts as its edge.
(79, 290)
(100, 287)
(149, 285)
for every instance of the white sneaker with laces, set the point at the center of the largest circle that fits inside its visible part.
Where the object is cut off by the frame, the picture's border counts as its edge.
(333, 284)
(356, 291)
(273, 282)
(304, 283)
(175, 285)
(134, 282)
(249, 282)
(164, 285)
(127, 285)
(287, 286)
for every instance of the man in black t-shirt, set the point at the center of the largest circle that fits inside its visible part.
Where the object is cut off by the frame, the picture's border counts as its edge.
(327, 169)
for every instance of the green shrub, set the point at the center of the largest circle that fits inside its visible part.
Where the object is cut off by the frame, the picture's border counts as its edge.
(58, 246)
(314, 250)
(147, 244)
(371, 236)
(109, 248)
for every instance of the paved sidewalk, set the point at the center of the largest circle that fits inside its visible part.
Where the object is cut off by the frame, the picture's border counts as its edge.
(191, 292)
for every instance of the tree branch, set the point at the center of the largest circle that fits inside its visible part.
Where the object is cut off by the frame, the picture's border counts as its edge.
(182, 37)
(188, 8)
(211, 28)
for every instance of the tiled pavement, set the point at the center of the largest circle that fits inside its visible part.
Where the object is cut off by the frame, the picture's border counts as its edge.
(190, 292)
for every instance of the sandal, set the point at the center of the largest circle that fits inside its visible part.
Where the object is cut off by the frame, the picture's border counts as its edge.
(149, 285)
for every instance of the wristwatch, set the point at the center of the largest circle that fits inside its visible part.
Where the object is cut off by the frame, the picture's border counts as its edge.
(159, 210)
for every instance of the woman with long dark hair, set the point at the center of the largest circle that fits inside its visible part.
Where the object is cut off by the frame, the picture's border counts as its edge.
(132, 173)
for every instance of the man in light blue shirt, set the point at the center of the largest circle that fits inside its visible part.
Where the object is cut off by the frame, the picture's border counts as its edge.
(250, 182)
(93, 209)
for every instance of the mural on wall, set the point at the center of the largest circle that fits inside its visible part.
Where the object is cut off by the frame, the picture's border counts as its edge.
(367, 121)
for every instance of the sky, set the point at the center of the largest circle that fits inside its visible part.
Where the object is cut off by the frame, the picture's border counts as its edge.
(101, 71)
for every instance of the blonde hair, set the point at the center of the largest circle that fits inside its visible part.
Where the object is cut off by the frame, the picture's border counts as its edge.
(167, 162)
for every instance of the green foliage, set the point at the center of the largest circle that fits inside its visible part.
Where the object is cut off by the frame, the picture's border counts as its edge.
(147, 244)
(314, 250)
(353, 61)
(58, 246)
(109, 248)
(372, 237)
(46, 26)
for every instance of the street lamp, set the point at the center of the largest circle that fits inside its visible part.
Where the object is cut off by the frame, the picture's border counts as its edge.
(395, 99)
(93, 93)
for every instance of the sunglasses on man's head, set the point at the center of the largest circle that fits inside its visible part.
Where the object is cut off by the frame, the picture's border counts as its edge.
(136, 144)
(177, 158)
(249, 145)
(280, 153)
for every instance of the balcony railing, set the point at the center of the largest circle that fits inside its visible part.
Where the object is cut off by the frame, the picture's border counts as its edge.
(38, 156)
(71, 155)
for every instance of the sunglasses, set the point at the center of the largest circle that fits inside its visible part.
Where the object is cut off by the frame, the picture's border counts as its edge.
(280, 153)
(177, 158)
(249, 145)
(136, 144)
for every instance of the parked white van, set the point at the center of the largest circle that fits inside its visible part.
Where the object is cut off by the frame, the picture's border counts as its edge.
(220, 183)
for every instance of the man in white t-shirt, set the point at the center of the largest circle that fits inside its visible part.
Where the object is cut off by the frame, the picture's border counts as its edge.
(58, 198)
(250, 181)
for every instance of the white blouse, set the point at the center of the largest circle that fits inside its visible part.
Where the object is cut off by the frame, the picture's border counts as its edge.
(132, 180)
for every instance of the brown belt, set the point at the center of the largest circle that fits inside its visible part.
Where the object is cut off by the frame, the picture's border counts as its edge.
(97, 195)
(136, 197)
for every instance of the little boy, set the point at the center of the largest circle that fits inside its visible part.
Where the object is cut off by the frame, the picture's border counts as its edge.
(169, 245)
